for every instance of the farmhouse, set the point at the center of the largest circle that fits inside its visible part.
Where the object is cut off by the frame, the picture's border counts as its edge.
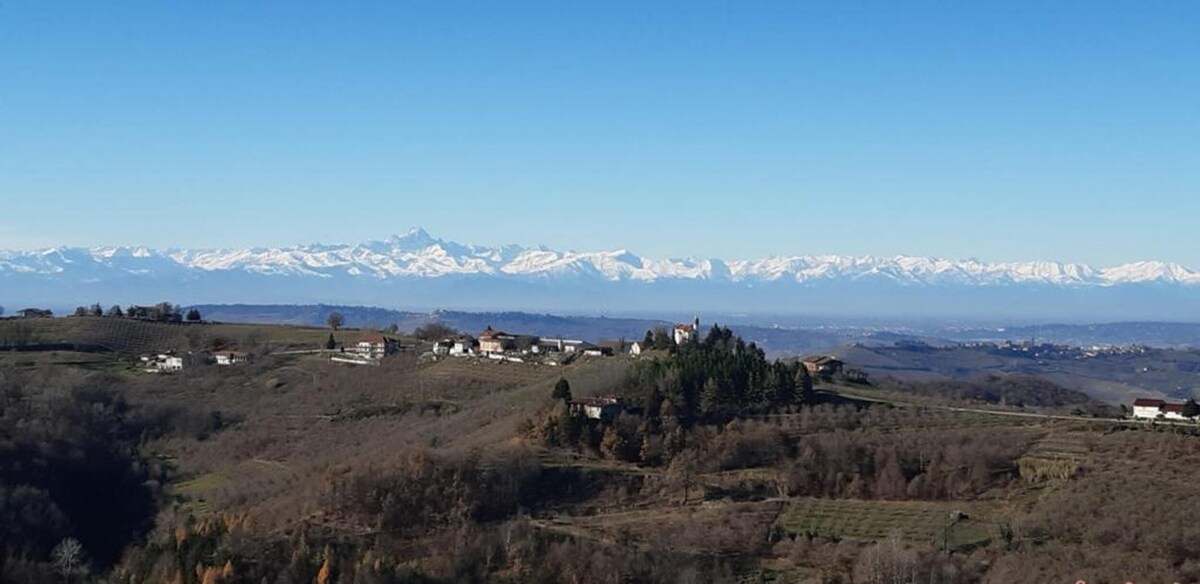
(443, 347)
(231, 357)
(464, 345)
(494, 341)
(34, 313)
(547, 345)
(636, 348)
(162, 363)
(1155, 409)
(595, 351)
(686, 333)
(596, 408)
(375, 346)
(823, 365)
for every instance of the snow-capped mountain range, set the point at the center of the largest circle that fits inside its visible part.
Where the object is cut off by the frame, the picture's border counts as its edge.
(420, 255)
(419, 271)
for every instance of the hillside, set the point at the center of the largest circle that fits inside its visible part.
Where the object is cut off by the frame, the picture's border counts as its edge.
(440, 471)
(1116, 377)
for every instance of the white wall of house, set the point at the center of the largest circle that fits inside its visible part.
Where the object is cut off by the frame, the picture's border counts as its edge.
(1147, 412)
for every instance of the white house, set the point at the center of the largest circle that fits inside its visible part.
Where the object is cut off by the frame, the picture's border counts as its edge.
(162, 363)
(464, 345)
(1147, 408)
(548, 345)
(231, 357)
(596, 408)
(686, 333)
(443, 347)
(375, 346)
(1156, 409)
(636, 348)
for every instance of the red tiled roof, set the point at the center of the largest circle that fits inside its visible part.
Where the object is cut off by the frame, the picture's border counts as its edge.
(1175, 408)
(685, 327)
(374, 338)
(1145, 402)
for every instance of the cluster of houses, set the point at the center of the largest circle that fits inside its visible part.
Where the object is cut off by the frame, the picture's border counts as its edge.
(1157, 409)
(171, 362)
(370, 349)
(499, 344)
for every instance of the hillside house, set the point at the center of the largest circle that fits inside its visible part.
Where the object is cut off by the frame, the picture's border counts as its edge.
(464, 345)
(34, 313)
(494, 341)
(443, 347)
(162, 363)
(1157, 409)
(686, 333)
(544, 346)
(823, 365)
(375, 346)
(636, 348)
(231, 357)
(596, 408)
(548, 345)
(595, 350)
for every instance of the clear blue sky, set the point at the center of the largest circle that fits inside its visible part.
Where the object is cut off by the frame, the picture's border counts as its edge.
(998, 130)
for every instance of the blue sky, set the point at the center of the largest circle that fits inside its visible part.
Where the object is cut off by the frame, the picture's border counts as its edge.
(1002, 130)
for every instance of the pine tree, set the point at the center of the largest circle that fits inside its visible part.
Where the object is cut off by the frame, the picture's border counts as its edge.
(330, 344)
(562, 390)
(1191, 409)
(710, 396)
(804, 383)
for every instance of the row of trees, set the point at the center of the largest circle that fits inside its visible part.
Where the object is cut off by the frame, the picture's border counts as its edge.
(162, 312)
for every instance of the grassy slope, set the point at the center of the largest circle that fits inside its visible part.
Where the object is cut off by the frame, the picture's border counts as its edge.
(298, 421)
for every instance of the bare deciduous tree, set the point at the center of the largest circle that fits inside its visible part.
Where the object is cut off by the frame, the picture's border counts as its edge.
(68, 557)
(335, 320)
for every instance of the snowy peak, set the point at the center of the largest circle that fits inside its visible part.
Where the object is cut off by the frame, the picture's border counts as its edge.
(417, 254)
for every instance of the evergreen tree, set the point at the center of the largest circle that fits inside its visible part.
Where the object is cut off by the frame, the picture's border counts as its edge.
(662, 340)
(330, 344)
(193, 315)
(115, 311)
(648, 341)
(710, 396)
(562, 390)
(1191, 409)
(804, 383)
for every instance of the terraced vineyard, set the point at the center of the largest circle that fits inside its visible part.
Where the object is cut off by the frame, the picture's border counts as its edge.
(916, 521)
(1056, 457)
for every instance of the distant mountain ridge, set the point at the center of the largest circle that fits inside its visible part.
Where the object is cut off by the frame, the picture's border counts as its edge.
(421, 272)
(417, 254)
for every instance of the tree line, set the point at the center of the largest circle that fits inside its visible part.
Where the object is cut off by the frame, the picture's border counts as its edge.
(161, 312)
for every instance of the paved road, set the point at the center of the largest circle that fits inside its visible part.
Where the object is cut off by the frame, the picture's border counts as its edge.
(903, 404)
